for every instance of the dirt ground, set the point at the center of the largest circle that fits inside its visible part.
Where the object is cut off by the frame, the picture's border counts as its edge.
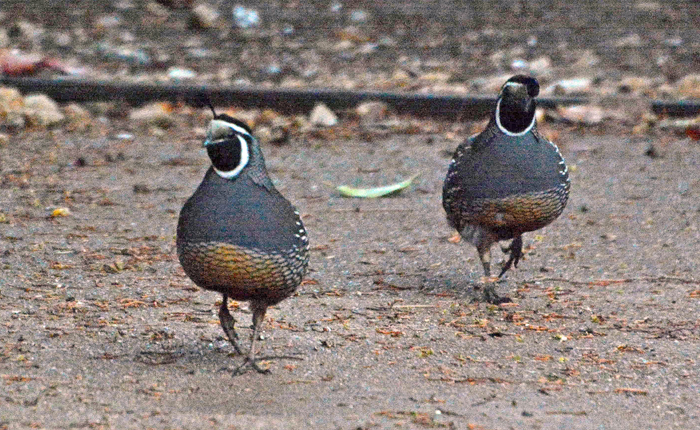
(102, 329)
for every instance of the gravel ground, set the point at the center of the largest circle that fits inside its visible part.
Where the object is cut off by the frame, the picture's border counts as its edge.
(100, 328)
(645, 48)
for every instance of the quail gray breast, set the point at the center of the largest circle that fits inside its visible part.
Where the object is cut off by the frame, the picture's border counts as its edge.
(237, 234)
(507, 180)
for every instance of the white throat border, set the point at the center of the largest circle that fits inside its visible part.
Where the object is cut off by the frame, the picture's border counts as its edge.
(245, 153)
(503, 129)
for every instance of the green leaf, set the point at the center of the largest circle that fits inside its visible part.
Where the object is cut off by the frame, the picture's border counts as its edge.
(371, 193)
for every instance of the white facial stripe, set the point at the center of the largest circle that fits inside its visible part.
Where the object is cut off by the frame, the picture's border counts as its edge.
(245, 156)
(498, 120)
(238, 129)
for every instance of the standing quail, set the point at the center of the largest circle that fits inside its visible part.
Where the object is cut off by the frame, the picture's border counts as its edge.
(237, 234)
(508, 179)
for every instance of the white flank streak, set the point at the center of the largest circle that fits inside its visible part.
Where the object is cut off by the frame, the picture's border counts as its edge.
(508, 133)
(244, 154)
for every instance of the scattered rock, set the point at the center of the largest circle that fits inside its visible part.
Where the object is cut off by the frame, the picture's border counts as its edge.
(274, 128)
(648, 6)
(519, 65)
(26, 30)
(680, 126)
(142, 189)
(651, 151)
(541, 66)
(359, 16)
(689, 87)
(10, 100)
(154, 114)
(204, 16)
(322, 116)
(631, 41)
(569, 87)
(636, 85)
(79, 118)
(244, 17)
(434, 77)
(401, 78)
(353, 34)
(180, 74)
(587, 114)
(4, 38)
(60, 212)
(372, 112)
(587, 60)
(490, 85)
(11, 107)
(40, 110)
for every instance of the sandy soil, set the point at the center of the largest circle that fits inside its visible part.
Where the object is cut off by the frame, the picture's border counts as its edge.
(100, 328)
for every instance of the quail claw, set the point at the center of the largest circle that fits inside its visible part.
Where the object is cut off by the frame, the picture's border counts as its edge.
(240, 370)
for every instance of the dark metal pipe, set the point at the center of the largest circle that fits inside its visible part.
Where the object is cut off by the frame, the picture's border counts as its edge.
(676, 108)
(287, 101)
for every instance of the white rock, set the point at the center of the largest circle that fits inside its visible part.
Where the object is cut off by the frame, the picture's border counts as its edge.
(648, 6)
(636, 84)
(42, 111)
(12, 108)
(588, 114)
(204, 16)
(322, 116)
(78, 117)
(245, 17)
(689, 86)
(587, 60)
(570, 86)
(631, 41)
(372, 112)
(178, 74)
(541, 66)
(153, 114)
(10, 100)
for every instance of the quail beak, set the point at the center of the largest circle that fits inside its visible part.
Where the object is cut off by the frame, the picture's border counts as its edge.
(516, 94)
(217, 131)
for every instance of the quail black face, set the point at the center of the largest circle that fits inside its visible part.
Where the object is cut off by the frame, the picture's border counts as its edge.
(515, 109)
(228, 145)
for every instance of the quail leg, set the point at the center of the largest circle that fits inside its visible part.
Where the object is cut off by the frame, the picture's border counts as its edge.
(516, 252)
(259, 310)
(227, 323)
(484, 250)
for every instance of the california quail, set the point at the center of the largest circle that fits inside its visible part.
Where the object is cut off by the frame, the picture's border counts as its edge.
(508, 179)
(237, 234)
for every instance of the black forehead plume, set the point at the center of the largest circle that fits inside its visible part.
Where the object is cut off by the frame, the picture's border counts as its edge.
(203, 99)
(533, 87)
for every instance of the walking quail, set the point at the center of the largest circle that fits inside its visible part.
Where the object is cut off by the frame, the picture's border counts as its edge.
(237, 234)
(508, 179)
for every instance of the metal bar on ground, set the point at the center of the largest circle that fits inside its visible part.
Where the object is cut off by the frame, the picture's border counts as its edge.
(284, 100)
